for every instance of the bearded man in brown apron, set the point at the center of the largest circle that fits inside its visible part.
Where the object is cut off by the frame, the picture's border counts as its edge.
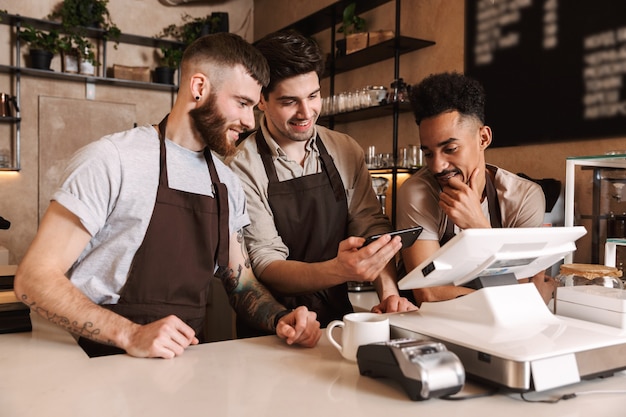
(310, 192)
(144, 218)
(457, 189)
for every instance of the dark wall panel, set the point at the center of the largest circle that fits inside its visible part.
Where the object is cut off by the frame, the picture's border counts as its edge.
(553, 69)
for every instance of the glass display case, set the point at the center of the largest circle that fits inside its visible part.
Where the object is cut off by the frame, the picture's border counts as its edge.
(595, 198)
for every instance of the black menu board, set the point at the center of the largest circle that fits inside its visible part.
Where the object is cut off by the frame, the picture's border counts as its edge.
(553, 70)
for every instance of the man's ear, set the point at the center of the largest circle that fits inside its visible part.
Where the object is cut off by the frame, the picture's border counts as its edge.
(262, 104)
(199, 86)
(485, 137)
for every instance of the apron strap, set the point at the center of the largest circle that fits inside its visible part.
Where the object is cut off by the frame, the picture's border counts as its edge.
(266, 156)
(327, 164)
(220, 192)
(163, 158)
(495, 216)
(331, 171)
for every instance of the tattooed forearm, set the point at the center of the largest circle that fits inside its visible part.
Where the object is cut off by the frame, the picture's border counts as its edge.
(250, 299)
(255, 303)
(242, 246)
(85, 329)
(230, 280)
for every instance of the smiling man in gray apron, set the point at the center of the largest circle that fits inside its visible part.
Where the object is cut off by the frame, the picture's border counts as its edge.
(310, 194)
(144, 218)
(458, 190)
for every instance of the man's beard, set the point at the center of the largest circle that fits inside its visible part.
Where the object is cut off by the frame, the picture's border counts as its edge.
(212, 126)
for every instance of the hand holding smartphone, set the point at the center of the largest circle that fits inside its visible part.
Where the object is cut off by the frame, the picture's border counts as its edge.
(408, 236)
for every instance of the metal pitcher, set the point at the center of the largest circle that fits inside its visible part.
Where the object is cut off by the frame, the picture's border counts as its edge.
(8, 105)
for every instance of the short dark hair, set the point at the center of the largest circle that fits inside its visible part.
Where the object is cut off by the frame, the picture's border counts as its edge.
(227, 49)
(445, 92)
(288, 54)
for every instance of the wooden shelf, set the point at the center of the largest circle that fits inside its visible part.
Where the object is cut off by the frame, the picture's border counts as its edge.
(9, 119)
(331, 15)
(390, 170)
(379, 52)
(17, 20)
(55, 75)
(365, 114)
(97, 80)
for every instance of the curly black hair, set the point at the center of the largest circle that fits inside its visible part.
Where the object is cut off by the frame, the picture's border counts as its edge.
(288, 54)
(448, 91)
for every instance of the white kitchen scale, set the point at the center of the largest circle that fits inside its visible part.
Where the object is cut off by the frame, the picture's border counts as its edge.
(506, 335)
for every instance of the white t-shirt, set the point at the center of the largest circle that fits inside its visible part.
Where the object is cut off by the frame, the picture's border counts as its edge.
(111, 186)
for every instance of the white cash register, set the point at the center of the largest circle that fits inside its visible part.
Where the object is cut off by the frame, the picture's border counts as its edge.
(505, 334)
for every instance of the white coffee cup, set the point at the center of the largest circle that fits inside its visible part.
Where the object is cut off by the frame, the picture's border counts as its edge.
(358, 329)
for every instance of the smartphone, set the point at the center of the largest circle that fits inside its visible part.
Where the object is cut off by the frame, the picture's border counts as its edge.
(408, 236)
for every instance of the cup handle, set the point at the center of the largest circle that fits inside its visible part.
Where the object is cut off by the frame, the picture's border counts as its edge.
(329, 333)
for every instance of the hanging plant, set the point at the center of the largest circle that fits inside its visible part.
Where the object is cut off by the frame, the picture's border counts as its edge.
(193, 27)
(76, 15)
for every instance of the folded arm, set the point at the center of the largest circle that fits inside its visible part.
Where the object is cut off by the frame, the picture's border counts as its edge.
(252, 300)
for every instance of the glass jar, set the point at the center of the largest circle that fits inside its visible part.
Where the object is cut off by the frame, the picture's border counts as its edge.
(5, 158)
(377, 93)
(399, 92)
(588, 274)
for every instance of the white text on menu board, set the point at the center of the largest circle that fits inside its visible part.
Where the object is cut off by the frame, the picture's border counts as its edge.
(603, 74)
(493, 21)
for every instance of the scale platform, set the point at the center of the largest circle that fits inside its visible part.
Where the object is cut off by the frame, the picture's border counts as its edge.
(507, 336)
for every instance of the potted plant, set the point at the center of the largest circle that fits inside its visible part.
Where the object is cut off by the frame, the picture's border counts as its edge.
(353, 28)
(78, 54)
(194, 27)
(76, 15)
(87, 57)
(169, 62)
(43, 45)
(69, 54)
(188, 31)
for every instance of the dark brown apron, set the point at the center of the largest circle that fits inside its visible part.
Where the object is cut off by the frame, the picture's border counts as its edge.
(495, 217)
(172, 268)
(311, 216)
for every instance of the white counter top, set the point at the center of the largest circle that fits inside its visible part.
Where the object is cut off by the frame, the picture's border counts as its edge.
(44, 373)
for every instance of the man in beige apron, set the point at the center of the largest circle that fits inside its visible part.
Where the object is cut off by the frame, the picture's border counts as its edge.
(144, 218)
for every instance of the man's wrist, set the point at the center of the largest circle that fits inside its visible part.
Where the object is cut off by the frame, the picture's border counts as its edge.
(280, 315)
